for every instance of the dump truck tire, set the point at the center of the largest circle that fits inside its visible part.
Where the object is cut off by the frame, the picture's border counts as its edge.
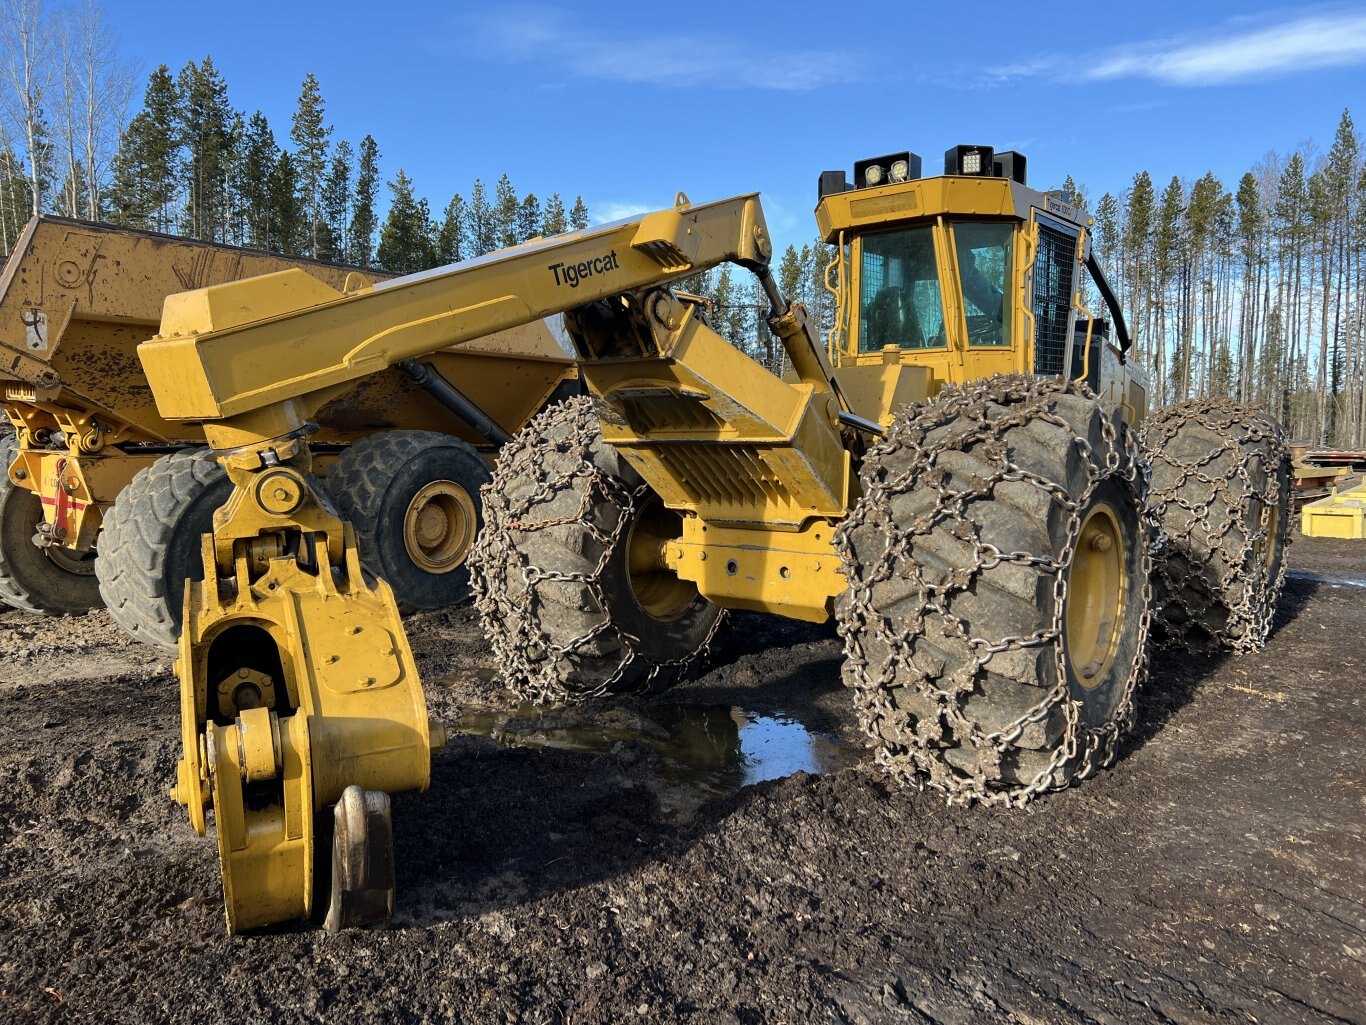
(50, 582)
(414, 498)
(1220, 507)
(151, 543)
(997, 615)
(569, 611)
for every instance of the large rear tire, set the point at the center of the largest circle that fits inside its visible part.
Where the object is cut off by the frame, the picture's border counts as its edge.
(1220, 505)
(414, 498)
(151, 543)
(49, 581)
(565, 573)
(996, 620)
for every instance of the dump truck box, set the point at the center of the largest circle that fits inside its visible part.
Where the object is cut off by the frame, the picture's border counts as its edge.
(76, 299)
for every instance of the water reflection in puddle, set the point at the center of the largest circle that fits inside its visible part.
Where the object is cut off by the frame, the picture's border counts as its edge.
(1323, 578)
(713, 749)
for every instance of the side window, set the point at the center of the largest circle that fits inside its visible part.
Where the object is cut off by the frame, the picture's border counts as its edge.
(983, 252)
(899, 298)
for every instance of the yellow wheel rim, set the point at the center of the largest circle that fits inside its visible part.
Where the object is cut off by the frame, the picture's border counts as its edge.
(1095, 596)
(439, 526)
(657, 589)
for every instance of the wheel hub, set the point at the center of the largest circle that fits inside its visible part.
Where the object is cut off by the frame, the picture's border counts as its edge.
(657, 589)
(439, 526)
(1095, 596)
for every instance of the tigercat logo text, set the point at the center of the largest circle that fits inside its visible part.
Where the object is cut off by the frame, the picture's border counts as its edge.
(571, 274)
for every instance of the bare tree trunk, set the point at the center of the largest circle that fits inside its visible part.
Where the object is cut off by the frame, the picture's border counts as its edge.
(26, 71)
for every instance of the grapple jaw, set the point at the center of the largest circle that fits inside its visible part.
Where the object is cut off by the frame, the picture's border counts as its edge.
(297, 687)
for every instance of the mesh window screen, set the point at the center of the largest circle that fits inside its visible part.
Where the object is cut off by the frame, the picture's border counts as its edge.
(1053, 270)
(900, 302)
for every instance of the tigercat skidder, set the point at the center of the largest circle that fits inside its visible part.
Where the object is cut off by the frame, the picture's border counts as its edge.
(953, 472)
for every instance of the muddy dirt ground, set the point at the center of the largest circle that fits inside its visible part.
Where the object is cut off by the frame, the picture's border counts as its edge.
(566, 872)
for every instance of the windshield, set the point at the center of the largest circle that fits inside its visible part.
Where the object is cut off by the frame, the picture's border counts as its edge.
(984, 267)
(899, 300)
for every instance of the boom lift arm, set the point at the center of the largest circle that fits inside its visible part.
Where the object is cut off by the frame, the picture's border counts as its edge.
(297, 682)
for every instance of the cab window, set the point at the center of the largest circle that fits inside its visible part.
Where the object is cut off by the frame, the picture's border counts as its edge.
(983, 252)
(899, 298)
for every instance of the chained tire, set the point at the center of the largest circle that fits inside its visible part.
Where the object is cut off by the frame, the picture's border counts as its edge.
(51, 581)
(414, 499)
(996, 620)
(1220, 508)
(151, 543)
(566, 574)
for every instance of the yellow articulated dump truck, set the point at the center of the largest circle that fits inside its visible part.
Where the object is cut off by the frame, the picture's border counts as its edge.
(92, 466)
(963, 473)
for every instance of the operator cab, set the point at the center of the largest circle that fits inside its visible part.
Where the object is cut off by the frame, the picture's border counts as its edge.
(954, 278)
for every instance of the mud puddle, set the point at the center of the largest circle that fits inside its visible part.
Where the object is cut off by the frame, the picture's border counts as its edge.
(693, 751)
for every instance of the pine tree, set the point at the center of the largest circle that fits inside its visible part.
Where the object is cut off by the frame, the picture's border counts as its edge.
(206, 133)
(147, 164)
(452, 243)
(286, 218)
(578, 216)
(1136, 238)
(1250, 226)
(405, 243)
(553, 221)
(480, 224)
(505, 208)
(15, 201)
(309, 136)
(790, 274)
(1169, 251)
(258, 158)
(364, 220)
(336, 201)
(528, 218)
(1105, 239)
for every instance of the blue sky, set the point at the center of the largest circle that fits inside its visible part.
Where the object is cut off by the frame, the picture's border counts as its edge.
(627, 103)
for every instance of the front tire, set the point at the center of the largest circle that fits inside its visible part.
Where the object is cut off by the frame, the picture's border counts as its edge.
(1220, 507)
(565, 573)
(996, 619)
(151, 543)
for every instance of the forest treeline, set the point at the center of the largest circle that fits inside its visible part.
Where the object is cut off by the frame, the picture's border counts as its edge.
(1253, 291)
(188, 163)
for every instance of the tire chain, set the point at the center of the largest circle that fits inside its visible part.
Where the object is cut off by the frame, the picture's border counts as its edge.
(532, 663)
(1243, 428)
(975, 410)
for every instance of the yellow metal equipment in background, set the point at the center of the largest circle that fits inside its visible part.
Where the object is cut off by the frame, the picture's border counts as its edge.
(1342, 515)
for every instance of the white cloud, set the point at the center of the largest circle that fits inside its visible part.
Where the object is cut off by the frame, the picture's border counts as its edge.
(1231, 53)
(607, 210)
(556, 42)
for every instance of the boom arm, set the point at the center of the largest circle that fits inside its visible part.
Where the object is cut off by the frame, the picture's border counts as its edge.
(233, 353)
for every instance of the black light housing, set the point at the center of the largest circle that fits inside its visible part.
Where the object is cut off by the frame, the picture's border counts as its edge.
(878, 170)
(973, 161)
(1011, 165)
(831, 183)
